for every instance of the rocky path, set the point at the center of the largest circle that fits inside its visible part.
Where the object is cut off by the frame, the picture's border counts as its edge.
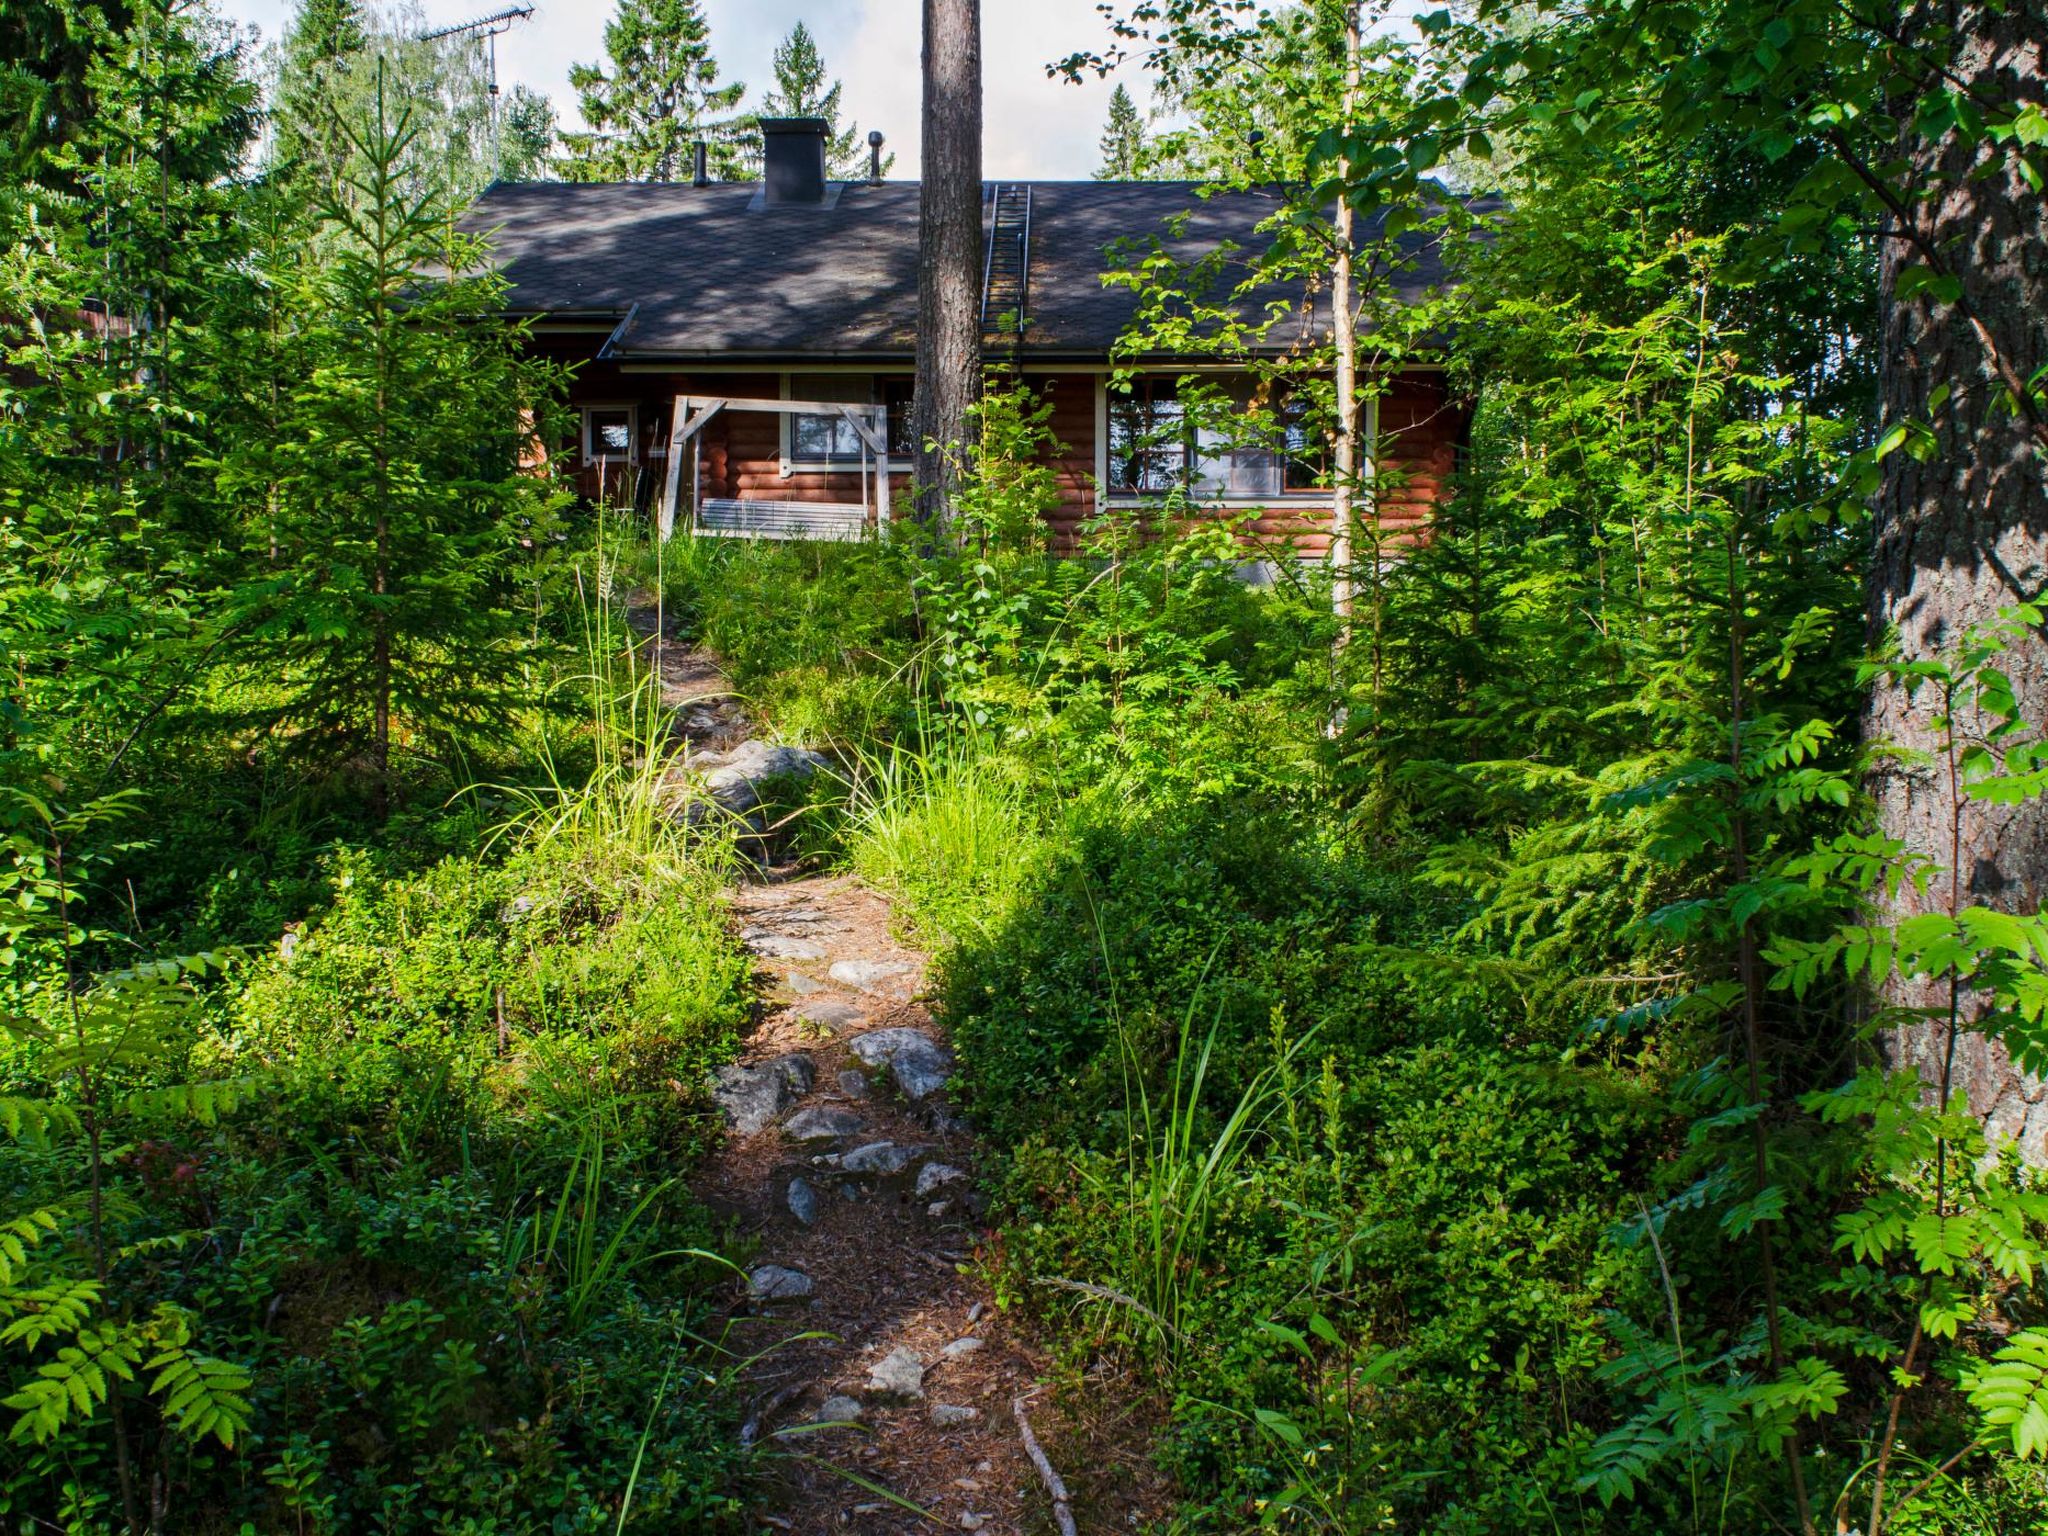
(849, 1182)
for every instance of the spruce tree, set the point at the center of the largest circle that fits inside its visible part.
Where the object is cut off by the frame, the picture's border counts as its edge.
(660, 93)
(1123, 140)
(324, 44)
(802, 90)
(386, 621)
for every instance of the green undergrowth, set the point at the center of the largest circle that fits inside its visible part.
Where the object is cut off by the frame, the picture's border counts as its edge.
(429, 1208)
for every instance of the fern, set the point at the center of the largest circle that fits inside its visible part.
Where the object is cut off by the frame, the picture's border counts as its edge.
(2011, 1392)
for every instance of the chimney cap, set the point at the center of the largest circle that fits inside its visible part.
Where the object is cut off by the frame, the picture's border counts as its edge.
(793, 159)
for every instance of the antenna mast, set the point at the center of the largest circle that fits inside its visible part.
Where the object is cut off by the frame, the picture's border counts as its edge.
(488, 28)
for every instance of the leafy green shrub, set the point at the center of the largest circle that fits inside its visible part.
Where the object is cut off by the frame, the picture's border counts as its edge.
(413, 1231)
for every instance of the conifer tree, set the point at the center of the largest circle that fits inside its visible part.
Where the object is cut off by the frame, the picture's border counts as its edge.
(1123, 140)
(325, 42)
(802, 89)
(660, 92)
(386, 621)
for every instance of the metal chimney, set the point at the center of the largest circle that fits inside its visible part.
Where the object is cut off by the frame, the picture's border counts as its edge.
(700, 173)
(793, 159)
(874, 154)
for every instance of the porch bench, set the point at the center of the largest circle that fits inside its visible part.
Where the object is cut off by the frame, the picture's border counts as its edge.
(819, 521)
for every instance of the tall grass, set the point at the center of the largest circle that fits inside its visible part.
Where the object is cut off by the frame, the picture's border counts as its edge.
(1181, 1161)
(631, 805)
(949, 831)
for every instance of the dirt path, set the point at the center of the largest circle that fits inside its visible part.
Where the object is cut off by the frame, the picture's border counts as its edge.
(849, 1183)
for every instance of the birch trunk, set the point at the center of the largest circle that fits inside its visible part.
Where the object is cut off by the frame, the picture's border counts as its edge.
(1344, 337)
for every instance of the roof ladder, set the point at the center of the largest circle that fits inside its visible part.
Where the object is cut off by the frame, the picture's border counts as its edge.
(1006, 272)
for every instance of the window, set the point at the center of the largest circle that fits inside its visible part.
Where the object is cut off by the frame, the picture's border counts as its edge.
(1308, 449)
(1155, 448)
(900, 396)
(1148, 440)
(608, 434)
(827, 439)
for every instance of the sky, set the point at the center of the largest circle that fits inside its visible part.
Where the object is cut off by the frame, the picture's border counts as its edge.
(1032, 126)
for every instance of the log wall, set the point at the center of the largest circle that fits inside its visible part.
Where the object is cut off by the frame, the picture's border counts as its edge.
(1421, 429)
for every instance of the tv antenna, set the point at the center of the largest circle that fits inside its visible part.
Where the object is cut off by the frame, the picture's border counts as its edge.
(488, 28)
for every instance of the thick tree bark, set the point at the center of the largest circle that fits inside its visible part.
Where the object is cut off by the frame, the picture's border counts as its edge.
(1964, 534)
(948, 252)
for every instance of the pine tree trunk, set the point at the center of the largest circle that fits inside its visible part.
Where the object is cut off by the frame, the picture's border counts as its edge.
(1964, 535)
(948, 252)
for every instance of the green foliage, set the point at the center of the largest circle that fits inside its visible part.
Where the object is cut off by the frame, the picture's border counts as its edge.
(803, 88)
(394, 543)
(661, 93)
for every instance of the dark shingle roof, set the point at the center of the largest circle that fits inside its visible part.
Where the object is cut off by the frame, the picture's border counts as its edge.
(698, 272)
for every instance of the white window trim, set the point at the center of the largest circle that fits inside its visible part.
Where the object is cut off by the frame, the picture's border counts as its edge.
(585, 411)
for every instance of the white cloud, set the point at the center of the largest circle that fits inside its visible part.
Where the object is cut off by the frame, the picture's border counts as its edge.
(1033, 126)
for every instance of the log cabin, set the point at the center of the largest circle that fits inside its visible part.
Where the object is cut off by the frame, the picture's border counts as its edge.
(743, 351)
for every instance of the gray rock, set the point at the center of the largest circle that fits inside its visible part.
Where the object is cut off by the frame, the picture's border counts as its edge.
(778, 1282)
(937, 1209)
(751, 1097)
(834, 1013)
(734, 779)
(898, 1374)
(838, 1409)
(777, 946)
(921, 1069)
(797, 1070)
(960, 1347)
(953, 1415)
(803, 1201)
(821, 1124)
(869, 974)
(853, 1084)
(878, 1047)
(884, 1158)
(801, 984)
(974, 1312)
(936, 1176)
(919, 1063)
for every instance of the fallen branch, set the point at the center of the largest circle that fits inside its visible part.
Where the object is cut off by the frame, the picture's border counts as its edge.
(1062, 1512)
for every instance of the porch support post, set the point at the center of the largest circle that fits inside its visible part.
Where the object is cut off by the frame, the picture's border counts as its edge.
(672, 478)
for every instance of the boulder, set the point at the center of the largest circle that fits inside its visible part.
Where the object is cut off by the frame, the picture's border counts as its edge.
(778, 1282)
(921, 1069)
(881, 1158)
(834, 1013)
(779, 946)
(838, 1409)
(853, 1084)
(868, 975)
(898, 1374)
(821, 1124)
(919, 1063)
(803, 1201)
(934, 1177)
(752, 1096)
(734, 780)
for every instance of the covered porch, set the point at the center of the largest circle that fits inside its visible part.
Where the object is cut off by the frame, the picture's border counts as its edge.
(770, 517)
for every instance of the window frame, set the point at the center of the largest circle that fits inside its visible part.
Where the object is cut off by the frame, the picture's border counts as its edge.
(832, 463)
(590, 408)
(1302, 497)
